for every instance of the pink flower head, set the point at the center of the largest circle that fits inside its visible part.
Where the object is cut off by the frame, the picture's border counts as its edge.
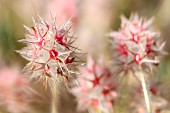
(49, 50)
(96, 89)
(157, 101)
(136, 43)
(15, 91)
(63, 10)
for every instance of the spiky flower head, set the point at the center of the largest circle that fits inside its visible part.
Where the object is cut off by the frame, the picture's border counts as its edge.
(136, 43)
(15, 91)
(96, 89)
(49, 50)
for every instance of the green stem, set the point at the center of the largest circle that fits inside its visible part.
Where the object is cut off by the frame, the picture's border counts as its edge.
(54, 98)
(145, 93)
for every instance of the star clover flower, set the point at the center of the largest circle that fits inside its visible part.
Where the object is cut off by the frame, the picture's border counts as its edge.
(49, 51)
(136, 43)
(96, 89)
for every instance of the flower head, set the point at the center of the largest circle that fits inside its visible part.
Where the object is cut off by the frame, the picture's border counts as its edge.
(96, 90)
(50, 51)
(157, 100)
(63, 10)
(15, 91)
(136, 43)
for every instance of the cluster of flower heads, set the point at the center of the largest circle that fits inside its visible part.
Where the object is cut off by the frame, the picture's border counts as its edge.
(15, 91)
(50, 51)
(96, 90)
(53, 58)
(136, 43)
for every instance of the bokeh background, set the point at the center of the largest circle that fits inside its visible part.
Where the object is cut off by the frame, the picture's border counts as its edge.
(92, 19)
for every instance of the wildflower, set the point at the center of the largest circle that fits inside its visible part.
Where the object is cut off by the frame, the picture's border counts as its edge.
(15, 91)
(96, 89)
(50, 51)
(136, 43)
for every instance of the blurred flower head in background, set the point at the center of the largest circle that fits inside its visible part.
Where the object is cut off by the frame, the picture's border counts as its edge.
(96, 88)
(62, 10)
(15, 90)
(158, 102)
(136, 43)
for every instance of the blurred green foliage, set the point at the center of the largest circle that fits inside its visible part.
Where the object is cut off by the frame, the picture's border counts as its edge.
(10, 31)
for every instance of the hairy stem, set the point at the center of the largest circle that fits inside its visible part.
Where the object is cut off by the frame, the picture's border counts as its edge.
(54, 98)
(145, 93)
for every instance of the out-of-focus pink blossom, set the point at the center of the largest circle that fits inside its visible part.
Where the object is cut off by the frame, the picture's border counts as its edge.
(15, 92)
(157, 101)
(96, 89)
(62, 10)
(136, 43)
(49, 50)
